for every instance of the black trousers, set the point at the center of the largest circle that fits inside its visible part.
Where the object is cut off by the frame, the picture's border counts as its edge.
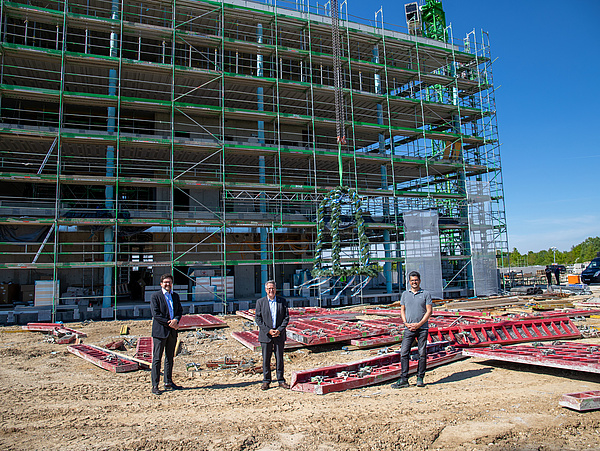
(407, 340)
(168, 346)
(275, 346)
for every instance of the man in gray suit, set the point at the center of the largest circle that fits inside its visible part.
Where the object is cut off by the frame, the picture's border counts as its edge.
(272, 317)
(166, 313)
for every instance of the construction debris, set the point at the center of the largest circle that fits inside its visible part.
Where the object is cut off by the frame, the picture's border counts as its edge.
(57, 329)
(582, 402)
(527, 290)
(192, 366)
(115, 345)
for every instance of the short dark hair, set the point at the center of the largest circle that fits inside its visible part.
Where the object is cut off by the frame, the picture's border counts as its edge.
(414, 274)
(270, 281)
(166, 276)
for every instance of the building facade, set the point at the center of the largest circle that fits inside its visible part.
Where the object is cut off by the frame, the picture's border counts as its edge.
(199, 138)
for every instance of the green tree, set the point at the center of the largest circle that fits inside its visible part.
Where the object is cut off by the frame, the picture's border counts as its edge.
(582, 252)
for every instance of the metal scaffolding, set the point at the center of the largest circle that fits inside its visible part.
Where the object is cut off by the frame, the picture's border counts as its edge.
(199, 138)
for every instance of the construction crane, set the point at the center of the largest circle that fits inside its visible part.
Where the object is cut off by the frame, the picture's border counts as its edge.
(342, 195)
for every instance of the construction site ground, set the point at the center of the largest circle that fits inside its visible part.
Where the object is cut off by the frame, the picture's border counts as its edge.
(52, 399)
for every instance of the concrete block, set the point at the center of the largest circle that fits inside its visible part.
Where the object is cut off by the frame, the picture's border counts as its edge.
(44, 316)
(107, 313)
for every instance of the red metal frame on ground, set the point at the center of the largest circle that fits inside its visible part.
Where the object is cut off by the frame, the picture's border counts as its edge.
(55, 328)
(204, 321)
(367, 372)
(103, 359)
(571, 356)
(506, 332)
(379, 340)
(583, 401)
(436, 313)
(144, 349)
(249, 339)
(308, 312)
(317, 331)
(569, 313)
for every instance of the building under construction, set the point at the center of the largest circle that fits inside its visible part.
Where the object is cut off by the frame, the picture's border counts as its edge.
(199, 138)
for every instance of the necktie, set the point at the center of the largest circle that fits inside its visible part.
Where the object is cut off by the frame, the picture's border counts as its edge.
(169, 304)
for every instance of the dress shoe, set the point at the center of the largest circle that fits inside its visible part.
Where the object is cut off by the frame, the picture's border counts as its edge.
(155, 391)
(172, 386)
(265, 386)
(284, 385)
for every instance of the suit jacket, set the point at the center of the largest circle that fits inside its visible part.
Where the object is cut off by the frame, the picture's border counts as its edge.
(265, 322)
(160, 313)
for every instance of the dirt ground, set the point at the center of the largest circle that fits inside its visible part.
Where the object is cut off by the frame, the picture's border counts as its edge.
(52, 399)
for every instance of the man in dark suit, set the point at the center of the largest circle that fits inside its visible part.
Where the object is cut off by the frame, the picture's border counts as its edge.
(272, 317)
(166, 314)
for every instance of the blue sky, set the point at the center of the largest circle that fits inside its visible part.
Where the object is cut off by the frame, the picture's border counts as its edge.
(548, 73)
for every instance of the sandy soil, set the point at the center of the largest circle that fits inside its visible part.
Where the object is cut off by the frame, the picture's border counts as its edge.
(52, 399)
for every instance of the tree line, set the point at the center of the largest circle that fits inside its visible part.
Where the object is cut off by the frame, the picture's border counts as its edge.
(582, 252)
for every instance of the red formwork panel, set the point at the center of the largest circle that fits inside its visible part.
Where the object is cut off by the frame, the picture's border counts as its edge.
(582, 401)
(306, 312)
(203, 321)
(395, 323)
(379, 340)
(250, 340)
(367, 372)
(436, 313)
(317, 331)
(569, 313)
(382, 311)
(143, 349)
(394, 328)
(55, 328)
(572, 356)
(506, 332)
(42, 327)
(391, 326)
(393, 332)
(103, 359)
